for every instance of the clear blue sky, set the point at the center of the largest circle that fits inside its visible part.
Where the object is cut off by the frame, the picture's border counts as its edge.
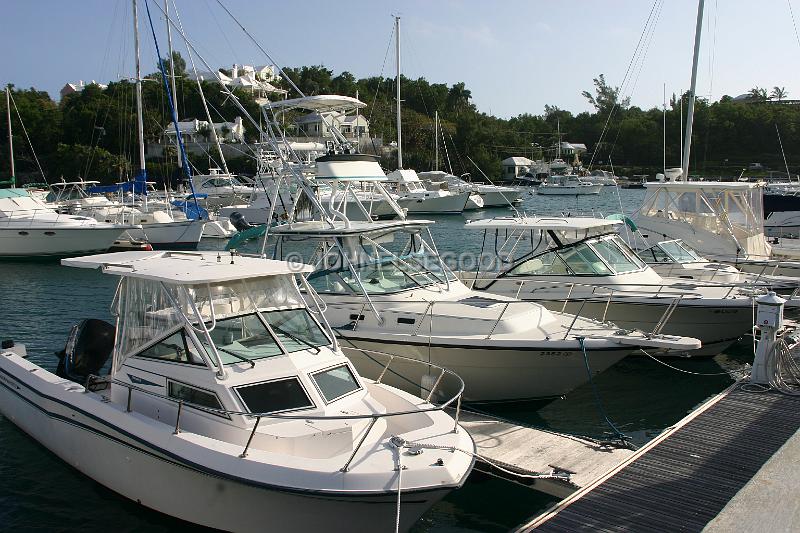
(515, 56)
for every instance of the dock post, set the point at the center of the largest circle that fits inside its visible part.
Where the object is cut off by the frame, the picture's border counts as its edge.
(769, 320)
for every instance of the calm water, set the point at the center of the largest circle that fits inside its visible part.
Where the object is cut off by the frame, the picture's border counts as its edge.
(40, 302)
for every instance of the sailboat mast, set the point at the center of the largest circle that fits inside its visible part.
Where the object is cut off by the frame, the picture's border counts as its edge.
(139, 120)
(172, 71)
(10, 136)
(436, 138)
(399, 126)
(664, 128)
(687, 139)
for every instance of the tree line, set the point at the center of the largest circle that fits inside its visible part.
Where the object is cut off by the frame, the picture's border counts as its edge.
(92, 133)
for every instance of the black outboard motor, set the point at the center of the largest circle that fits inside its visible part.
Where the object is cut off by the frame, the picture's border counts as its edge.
(238, 221)
(88, 348)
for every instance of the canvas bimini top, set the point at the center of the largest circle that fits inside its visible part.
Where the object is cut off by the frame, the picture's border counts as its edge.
(594, 225)
(320, 102)
(186, 268)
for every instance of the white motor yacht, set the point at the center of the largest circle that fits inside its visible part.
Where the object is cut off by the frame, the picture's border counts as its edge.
(29, 227)
(603, 177)
(568, 185)
(229, 405)
(416, 199)
(222, 189)
(581, 265)
(492, 195)
(386, 290)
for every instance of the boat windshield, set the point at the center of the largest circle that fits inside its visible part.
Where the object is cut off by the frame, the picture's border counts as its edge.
(247, 337)
(680, 252)
(385, 264)
(604, 256)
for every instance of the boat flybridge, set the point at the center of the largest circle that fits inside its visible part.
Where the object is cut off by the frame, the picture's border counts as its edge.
(30, 227)
(581, 265)
(387, 291)
(229, 404)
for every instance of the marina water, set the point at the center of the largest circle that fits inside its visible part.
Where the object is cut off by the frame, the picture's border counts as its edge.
(39, 303)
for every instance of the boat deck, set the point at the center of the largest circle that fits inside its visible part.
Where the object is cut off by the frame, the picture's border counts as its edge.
(687, 477)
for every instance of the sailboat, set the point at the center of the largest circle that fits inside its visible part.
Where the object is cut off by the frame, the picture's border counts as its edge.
(414, 197)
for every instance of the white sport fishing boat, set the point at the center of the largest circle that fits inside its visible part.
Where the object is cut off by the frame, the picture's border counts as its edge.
(386, 290)
(229, 405)
(492, 195)
(29, 227)
(417, 200)
(581, 265)
(222, 189)
(568, 185)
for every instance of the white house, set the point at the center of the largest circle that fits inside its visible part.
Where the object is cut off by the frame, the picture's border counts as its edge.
(256, 79)
(78, 86)
(515, 166)
(319, 124)
(194, 130)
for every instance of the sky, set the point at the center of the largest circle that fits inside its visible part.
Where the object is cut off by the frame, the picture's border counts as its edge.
(516, 56)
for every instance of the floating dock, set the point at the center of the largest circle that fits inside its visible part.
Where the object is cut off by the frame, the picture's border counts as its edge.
(525, 453)
(730, 464)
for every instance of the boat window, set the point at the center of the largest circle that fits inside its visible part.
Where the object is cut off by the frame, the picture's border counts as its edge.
(243, 337)
(336, 382)
(295, 329)
(174, 348)
(274, 396)
(583, 260)
(655, 254)
(546, 264)
(614, 256)
(679, 252)
(191, 395)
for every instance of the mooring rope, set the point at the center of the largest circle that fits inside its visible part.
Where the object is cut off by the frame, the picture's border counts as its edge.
(617, 433)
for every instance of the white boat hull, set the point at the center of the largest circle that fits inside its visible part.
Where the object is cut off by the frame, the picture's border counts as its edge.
(54, 241)
(148, 469)
(490, 373)
(499, 199)
(183, 234)
(452, 204)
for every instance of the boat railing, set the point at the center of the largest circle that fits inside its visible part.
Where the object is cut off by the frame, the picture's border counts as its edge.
(426, 407)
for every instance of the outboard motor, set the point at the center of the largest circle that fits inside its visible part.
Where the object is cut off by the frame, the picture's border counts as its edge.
(238, 221)
(88, 348)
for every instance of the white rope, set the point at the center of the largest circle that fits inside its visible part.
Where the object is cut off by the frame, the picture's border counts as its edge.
(399, 485)
(657, 360)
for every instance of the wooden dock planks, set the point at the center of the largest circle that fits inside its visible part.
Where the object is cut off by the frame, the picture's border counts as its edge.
(535, 451)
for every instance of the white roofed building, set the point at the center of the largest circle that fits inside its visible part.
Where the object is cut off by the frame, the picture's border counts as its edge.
(194, 130)
(515, 166)
(78, 86)
(318, 124)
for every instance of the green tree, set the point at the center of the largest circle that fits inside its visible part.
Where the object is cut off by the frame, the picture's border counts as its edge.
(606, 97)
(778, 93)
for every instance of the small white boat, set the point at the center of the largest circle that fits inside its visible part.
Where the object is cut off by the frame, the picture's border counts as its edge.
(222, 189)
(581, 265)
(229, 405)
(416, 199)
(29, 227)
(490, 194)
(568, 185)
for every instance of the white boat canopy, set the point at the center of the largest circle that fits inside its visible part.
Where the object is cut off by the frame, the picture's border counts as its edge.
(546, 223)
(320, 102)
(186, 268)
(339, 228)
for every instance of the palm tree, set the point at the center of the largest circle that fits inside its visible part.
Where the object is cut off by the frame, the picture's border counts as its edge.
(758, 93)
(458, 97)
(778, 93)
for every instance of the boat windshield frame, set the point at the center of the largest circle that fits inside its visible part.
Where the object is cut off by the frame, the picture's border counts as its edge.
(586, 259)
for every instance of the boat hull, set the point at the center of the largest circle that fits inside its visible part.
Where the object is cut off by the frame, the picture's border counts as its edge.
(490, 373)
(181, 234)
(499, 199)
(151, 474)
(452, 204)
(569, 190)
(22, 242)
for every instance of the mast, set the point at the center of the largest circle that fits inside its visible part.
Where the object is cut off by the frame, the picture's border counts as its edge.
(687, 141)
(139, 120)
(172, 72)
(664, 128)
(436, 137)
(10, 137)
(399, 126)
